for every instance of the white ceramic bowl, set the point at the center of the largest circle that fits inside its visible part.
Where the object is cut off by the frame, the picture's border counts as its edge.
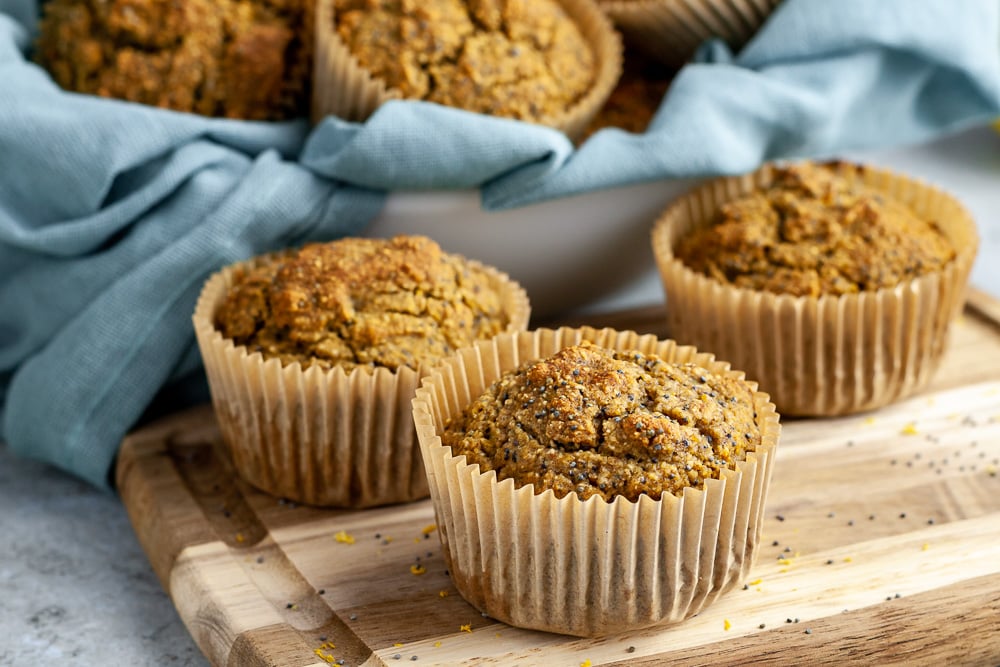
(589, 251)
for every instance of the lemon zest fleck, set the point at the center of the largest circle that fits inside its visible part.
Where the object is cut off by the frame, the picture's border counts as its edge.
(726, 624)
(909, 429)
(465, 628)
(343, 537)
(428, 529)
(417, 569)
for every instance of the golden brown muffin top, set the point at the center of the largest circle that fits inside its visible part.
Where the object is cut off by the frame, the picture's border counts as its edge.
(361, 302)
(523, 59)
(249, 59)
(814, 232)
(592, 422)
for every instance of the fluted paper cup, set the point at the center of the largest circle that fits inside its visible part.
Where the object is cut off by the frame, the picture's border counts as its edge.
(318, 436)
(830, 355)
(671, 30)
(585, 568)
(343, 88)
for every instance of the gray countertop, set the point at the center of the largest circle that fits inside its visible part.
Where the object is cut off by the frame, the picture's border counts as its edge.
(76, 588)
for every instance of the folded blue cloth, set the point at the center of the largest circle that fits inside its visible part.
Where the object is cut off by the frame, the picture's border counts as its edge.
(113, 214)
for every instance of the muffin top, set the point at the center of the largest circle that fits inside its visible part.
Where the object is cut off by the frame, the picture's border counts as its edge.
(814, 232)
(594, 422)
(512, 58)
(361, 302)
(248, 59)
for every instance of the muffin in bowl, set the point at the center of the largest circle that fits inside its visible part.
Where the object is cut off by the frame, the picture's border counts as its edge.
(832, 285)
(245, 59)
(313, 356)
(589, 482)
(552, 62)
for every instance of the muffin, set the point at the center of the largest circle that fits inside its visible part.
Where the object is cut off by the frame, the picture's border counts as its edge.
(672, 30)
(313, 356)
(832, 285)
(547, 61)
(246, 59)
(589, 482)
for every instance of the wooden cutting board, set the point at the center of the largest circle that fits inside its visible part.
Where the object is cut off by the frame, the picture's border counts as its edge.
(881, 545)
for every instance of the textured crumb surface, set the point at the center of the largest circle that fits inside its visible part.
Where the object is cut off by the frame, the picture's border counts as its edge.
(248, 59)
(513, 58)
(814, 232)
(361, 302)
(592, 422)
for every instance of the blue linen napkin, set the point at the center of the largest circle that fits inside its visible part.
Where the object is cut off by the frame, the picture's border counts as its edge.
(113, 214)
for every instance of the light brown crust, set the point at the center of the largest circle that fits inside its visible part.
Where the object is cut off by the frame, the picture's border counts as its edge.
(247, 59)
(361, 302)
(516, 59)
(814, 232)
(594, 422)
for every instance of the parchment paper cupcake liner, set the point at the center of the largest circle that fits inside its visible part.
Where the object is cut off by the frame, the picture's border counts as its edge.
(585, 568)
(343, 88)
(671, 30)
(320, 436)
(830, 355)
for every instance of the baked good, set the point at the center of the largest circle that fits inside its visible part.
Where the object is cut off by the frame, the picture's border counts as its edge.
(813, 232)
(593, 422)
(313, 356)
(361, 302)
(247, 59)
(671, 31)
(517, 60)
(512, 533)
(832, 285)
(546, 61)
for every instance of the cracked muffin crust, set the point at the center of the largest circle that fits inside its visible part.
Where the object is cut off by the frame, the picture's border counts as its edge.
(247, 59)
(813, 232)
(511, 58)
(361, 302)
(592, 422)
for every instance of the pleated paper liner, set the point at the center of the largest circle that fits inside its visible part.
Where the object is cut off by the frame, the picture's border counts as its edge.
(318, 436)
(343, 88)
(831, 355)
(585, 568)
(671, 30)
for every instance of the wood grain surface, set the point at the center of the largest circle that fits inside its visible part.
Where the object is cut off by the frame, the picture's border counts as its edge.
(881, 545)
